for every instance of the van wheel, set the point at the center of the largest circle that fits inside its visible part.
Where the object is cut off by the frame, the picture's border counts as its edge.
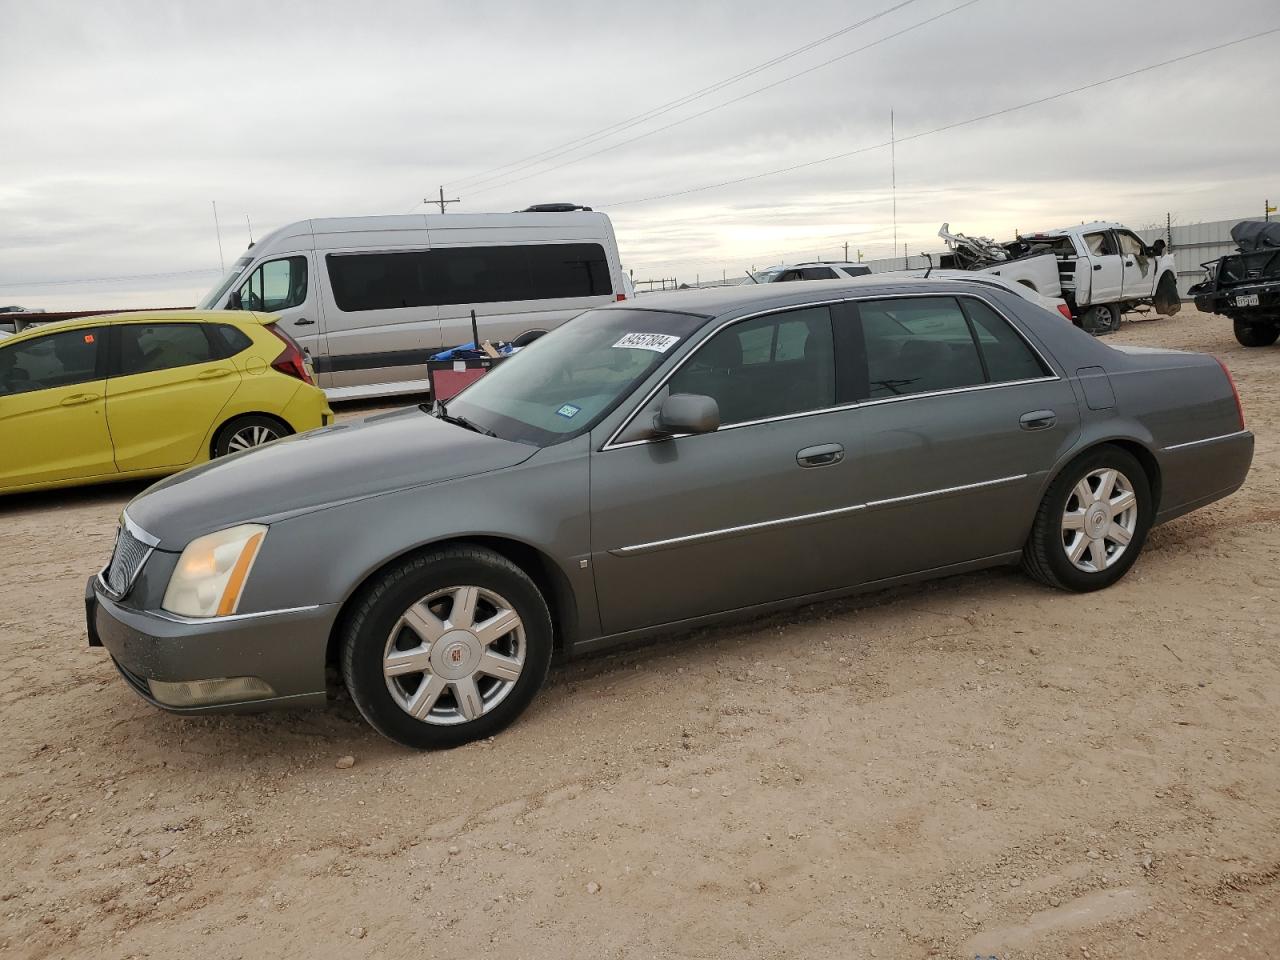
(446, 647)
(1255, 334)
(1092, 522)
(245, 433)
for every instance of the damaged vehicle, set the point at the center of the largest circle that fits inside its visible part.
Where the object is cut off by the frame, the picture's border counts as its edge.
(1102, 270)
(1245, 286)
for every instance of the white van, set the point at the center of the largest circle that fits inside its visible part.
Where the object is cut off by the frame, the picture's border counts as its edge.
(371, 298)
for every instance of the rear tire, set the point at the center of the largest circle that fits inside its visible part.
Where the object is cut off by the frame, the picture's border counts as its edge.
(1256, 334)
(245, 433)
(446, 647)
(1100, 319)
(1092, 522)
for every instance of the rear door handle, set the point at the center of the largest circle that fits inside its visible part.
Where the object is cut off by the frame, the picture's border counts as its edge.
(215, 374)
(79, 399)
(820, 456)
(1097, 266)
(303, 322)
(1038, 420)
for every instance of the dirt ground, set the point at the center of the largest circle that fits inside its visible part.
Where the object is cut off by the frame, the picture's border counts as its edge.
(978, 766)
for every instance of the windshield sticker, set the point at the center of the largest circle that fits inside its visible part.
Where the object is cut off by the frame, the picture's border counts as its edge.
(657, 342)
(568, 411)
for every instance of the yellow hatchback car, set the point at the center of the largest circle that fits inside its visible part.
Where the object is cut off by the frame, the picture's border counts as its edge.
(146, 394)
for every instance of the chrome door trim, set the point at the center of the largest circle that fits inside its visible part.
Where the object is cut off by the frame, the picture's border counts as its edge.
(946, 490)
(729, 531)
(805, 517)
(1197, 443)
(610, 444)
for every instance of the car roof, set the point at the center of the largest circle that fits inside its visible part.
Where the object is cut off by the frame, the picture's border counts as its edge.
(754, 297)
(138, 316)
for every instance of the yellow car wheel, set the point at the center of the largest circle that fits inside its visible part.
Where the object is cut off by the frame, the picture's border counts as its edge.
(245, 433)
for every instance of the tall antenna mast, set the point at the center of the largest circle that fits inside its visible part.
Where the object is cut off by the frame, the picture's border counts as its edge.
(250, 226)
(218, 230)
(893, 179)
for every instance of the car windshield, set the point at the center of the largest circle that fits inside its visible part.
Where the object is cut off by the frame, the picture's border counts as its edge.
(563, 384)
(214, 296)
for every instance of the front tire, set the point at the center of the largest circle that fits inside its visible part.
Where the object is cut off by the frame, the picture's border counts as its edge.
(446, 647)
(1092, 522)
(1255, 334)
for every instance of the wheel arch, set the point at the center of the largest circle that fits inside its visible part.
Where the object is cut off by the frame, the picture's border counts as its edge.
(216, 433)
(1136, 448)
(540, 567)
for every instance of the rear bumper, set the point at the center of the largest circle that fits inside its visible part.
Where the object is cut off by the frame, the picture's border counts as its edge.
(308, 409)
(284, 650)
(1198, 473)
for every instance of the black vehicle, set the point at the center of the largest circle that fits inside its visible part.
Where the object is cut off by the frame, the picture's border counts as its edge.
(1245, 286)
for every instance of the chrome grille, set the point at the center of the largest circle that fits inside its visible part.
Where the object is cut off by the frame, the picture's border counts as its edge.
(126, 562)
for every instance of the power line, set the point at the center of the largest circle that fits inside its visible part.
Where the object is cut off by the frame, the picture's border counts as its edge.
(552, 152)
(136, 276)
(948, 126)
(737, 99)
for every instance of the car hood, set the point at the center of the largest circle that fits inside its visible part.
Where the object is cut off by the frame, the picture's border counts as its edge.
(348, 461)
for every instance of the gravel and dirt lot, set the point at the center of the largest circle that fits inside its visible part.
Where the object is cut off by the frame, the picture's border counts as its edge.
(977, 766)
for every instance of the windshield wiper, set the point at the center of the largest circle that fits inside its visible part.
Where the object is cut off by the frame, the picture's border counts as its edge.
(439, 411)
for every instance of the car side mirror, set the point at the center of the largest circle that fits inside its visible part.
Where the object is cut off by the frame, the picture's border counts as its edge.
(1158, 248)
(233, 301)
(687, 413)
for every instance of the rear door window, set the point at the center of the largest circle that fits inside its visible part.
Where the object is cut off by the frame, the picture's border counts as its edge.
(55, 360)
(149, 347)
(1100, 244)
(917, 345)
(1007, 356)
(817, 273)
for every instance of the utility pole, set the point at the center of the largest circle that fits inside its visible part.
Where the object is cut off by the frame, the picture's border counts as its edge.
(1168, 231)
(442, 201)
(846, 251)
(893, 180)
(1268, 210)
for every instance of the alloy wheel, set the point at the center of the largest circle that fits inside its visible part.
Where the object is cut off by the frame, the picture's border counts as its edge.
(453, 656)
(252, 436)
(1099, 519)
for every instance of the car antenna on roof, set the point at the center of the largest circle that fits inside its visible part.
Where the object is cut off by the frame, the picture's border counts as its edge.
(929, 257)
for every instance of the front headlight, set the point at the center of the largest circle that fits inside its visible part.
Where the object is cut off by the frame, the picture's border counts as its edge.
(212, 571)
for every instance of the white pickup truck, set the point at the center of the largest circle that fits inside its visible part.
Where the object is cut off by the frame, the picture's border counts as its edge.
(1102, 269)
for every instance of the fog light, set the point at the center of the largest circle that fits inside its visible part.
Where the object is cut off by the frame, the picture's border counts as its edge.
(202, 693)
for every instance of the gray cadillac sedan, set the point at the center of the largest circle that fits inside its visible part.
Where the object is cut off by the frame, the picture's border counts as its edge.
(651, 465)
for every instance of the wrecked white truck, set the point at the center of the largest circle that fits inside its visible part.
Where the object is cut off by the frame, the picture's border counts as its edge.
(1101, 270)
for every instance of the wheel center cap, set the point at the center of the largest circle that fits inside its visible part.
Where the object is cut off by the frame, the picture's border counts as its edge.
(1096, 521)
(456, 655)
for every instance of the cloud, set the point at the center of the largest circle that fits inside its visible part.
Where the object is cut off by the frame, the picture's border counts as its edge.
(127, 119)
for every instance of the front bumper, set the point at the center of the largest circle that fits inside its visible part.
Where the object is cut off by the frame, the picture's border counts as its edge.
(285, 649)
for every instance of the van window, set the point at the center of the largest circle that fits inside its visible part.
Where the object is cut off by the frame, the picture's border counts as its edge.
(377, 281)
(452, 275)
(546, 271)
(275, 285)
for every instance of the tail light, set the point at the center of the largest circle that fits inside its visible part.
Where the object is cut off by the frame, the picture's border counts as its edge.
(292, 362)
(1234, 392)
(621, 297)
(1066, 312)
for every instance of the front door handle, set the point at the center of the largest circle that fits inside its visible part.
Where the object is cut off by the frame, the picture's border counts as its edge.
(820, 456)
(303, 322)
(79, 399)
(1038, 420)
(217, 373)
(1128, 263)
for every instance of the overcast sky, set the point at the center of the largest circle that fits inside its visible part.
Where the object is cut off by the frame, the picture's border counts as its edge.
(122, 121)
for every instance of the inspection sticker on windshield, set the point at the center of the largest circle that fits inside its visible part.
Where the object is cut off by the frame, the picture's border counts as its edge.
(568, 411)
(657, 342)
